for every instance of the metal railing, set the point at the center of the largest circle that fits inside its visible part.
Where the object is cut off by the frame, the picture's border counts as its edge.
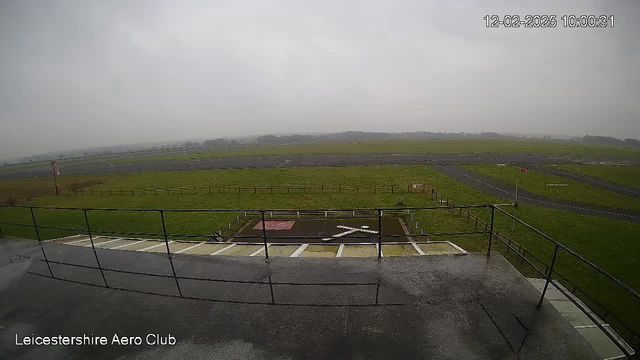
(484, 227)
(265, 237)
(632, 338)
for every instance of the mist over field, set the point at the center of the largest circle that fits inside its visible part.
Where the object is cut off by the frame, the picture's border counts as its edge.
(80, 74)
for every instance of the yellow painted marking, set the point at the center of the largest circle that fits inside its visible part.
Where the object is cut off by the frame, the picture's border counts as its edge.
(320, 251)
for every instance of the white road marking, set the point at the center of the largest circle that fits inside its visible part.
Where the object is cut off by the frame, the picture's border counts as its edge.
(350, 230)
(259, 250)
(125, 245)
(155, 246)
(105, 242)
(540, 201)
(340, 250)
(76, 241)
(65, 238)
(189, 248)
(415, 246)
(223, 249)
(462, 251)
(299, 250)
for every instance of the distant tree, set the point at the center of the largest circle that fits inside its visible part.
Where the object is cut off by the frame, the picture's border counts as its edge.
(632, 142)
(607, 140)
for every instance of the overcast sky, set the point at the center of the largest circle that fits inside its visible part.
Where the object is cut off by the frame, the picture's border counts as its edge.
(89, 73)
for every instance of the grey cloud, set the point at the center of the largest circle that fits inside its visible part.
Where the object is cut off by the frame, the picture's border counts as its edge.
(82, 73)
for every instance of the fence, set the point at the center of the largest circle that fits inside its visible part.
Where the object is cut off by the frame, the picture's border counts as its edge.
(629, 335)
(255, 189)
(262, 214)
(548, 271)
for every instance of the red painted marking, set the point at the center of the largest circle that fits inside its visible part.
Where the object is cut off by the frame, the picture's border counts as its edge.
(275, 225)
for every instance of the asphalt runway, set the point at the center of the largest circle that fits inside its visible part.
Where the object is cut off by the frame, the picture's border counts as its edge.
(504, 191)
(607, 185)
(255, 162)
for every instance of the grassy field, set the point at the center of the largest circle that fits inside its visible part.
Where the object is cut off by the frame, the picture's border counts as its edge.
(16, 190)
(524, 146)
(624, 175)
(608, 243)
(535, 182)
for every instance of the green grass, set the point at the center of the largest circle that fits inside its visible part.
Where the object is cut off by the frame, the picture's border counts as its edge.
(609, 243)
(404, 146)
(21, 189)
(624, 175)
(535, 182)
(524, 146)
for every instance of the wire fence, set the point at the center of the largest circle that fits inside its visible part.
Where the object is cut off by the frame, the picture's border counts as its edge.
(253, 189)
(548, 271)
(544, 269)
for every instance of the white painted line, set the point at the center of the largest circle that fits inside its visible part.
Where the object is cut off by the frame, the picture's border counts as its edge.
(259, 250)
(415, 246)
(340, 250)
(299, 250)
(462, 251)
(381, 253)
(105, 242)
(189, 248)
(77, 241)
(362, 229)
(590, 326)
(223, 249)
(155, 246)
(125, 245)
(65, 238)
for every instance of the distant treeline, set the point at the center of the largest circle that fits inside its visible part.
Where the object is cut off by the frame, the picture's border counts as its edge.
(344, 136)
(230, 143)
(608, 140)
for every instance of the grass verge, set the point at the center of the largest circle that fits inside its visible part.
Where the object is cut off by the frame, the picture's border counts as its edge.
(624, 175)
(535, 182)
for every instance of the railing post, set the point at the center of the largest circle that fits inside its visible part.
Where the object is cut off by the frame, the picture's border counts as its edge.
(264, 236)
(35, 226)
(93, 246)
(273, 300)
(166, 242)
(379, 234)
(549, 274)
(493, 211)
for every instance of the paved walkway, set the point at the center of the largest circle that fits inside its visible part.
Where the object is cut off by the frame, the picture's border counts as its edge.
(420, 307)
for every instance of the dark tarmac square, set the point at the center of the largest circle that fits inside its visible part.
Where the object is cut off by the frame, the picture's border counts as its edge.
(324, 228)
(423, 307)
